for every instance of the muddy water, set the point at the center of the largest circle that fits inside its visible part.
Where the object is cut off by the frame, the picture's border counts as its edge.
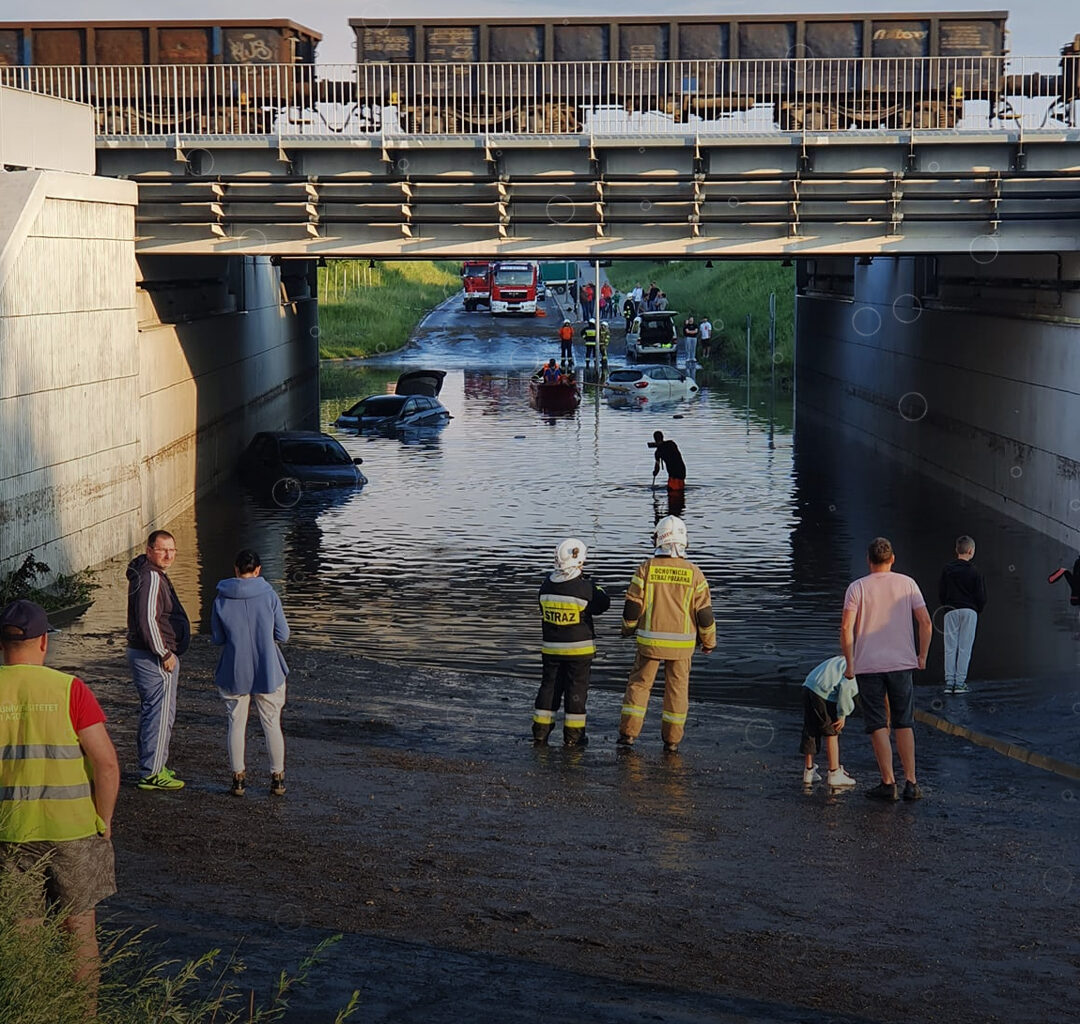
(437, 560)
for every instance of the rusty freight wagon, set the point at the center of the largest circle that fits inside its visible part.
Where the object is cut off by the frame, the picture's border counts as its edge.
(183, 76)
(541, 74)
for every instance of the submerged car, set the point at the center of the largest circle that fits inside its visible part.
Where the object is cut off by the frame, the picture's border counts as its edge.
(648, 383)
(652, 336)
(287, 462)
(414, 405)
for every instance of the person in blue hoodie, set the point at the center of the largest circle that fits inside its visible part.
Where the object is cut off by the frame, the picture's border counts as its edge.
(828, 698)
(249, 622)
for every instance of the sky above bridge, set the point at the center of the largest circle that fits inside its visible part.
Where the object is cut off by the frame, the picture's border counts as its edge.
(1038, 27)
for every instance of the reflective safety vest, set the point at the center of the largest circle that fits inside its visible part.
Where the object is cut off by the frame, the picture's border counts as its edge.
(566, 610)
(588, 332)
(44, 775)
(669, 609)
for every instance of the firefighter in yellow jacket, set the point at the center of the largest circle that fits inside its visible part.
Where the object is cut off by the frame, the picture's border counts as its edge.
(669, 610)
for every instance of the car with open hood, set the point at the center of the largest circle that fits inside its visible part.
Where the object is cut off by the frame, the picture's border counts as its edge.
(414, 405)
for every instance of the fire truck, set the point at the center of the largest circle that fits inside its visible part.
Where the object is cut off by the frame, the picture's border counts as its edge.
(513, 288)
(476, 282)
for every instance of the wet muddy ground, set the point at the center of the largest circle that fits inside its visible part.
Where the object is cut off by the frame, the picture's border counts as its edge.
(476, 878)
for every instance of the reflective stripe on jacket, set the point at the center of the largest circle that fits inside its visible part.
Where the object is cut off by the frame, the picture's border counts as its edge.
(566, 611)
(669, 608)
(44, 775)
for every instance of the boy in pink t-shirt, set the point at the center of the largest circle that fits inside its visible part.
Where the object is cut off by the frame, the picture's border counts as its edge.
(877, 638)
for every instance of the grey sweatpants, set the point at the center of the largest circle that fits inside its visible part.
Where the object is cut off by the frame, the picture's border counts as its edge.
(157, 709)
(960, 626)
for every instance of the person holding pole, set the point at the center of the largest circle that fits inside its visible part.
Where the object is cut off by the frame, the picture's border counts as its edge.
(667, 452)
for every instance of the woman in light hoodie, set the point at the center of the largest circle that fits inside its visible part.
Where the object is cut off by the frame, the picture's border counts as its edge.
(249, 622)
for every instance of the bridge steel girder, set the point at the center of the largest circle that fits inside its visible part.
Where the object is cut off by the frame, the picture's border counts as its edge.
(590, 197)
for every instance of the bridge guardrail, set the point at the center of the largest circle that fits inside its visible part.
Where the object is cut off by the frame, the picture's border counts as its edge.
(708, 98)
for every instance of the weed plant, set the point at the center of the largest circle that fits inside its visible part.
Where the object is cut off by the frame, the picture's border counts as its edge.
(63, 592)
(368, 311)
(727, 292)
(37, 967)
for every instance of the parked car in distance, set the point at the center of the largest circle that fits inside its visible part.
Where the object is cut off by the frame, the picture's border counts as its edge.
(648, 383)
(414, 405)
(652, 336)
(541, 289)
(287, 462)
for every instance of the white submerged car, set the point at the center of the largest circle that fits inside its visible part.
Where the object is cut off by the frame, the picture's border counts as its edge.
(637, 385)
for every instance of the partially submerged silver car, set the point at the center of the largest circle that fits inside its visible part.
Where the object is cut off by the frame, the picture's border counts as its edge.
(414, 405)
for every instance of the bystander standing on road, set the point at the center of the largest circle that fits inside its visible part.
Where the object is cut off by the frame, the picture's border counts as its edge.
(249, 622)
(877, 639)
(962, 591)
(158, 633)
(705, 333)
(828, 698)
(690, 334)
(629, 311)
(661, 301)
(59, 779)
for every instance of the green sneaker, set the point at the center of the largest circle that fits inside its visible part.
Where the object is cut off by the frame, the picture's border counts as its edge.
(164, 779)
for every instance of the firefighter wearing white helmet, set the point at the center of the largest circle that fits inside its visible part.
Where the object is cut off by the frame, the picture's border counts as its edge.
(668, 609)
(568, 601)
(588, 332)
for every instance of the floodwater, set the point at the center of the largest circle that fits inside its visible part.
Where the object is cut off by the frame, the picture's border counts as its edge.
(438, 559)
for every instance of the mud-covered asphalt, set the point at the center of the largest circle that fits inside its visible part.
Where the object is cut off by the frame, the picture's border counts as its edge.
(476, 878)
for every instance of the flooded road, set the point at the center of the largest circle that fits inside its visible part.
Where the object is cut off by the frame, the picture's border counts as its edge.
(438, 559)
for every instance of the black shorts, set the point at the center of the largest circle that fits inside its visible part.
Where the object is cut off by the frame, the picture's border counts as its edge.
(874, 687)
(819, 719)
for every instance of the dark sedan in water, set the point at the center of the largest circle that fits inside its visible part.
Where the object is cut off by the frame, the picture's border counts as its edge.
(287, 462)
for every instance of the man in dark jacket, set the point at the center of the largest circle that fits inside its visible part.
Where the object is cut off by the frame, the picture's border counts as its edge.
(568, 601)
(158, 633)
(962, 590)
(668, 454)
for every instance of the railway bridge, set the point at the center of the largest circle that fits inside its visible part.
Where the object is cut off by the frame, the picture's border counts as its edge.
(304, 161)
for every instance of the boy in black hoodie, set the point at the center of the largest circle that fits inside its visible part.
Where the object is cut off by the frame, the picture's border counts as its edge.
(962, 590)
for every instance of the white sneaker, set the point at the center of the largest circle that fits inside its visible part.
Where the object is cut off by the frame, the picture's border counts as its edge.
(840, 779)
(810, 776)
(961, 688)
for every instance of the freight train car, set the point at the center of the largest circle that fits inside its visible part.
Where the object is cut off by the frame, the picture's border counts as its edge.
(161, 72)
(721, 64)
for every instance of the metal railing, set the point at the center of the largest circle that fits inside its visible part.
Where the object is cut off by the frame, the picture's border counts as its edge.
(709, 98)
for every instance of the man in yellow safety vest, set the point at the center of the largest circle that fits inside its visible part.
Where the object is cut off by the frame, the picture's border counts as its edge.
(669, 609)
(59, 777)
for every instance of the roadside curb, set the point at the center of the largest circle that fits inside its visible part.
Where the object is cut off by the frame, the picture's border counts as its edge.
(1013, 750)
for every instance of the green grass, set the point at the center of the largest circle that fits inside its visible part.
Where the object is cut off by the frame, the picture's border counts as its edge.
(366, 312)
(37, 969)
(727, 293)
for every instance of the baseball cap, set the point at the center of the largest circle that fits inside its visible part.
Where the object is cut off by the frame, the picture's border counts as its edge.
(23, 620)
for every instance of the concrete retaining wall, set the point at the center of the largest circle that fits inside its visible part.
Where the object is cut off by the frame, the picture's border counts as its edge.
(128, 389)
(69, 472)
(967, 368)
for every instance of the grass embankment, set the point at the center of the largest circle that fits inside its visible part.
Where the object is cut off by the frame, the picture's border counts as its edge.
(37, 976)
(367, 311)
(727, 292)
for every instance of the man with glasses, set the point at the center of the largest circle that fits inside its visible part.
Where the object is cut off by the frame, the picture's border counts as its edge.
(158, 633)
